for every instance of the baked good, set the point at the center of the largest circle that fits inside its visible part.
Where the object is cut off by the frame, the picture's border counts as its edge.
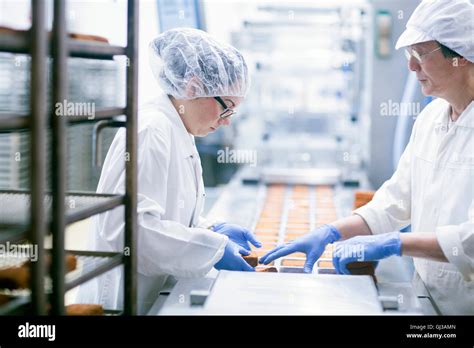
(362, 268)
(251, 259)
(268, 269)
(86, 37)
(18, 277)
(71, 262)
(325, 264)
(15, 277)
(84, 309)
(361, 198)
(293, 263)
(75, 36)
(5, 298)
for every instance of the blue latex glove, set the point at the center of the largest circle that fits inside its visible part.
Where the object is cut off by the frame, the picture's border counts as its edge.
(312, 244)
(237, 234)
(366, 248)
(232, 259)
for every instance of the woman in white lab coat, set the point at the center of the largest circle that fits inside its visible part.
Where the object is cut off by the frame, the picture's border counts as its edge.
(203, 81)
(433, 186)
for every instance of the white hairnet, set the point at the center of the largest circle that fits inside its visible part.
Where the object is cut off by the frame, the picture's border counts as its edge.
(189, 63)
(450, 22)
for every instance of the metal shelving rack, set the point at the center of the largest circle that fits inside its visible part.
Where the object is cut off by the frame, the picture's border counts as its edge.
(48, 211)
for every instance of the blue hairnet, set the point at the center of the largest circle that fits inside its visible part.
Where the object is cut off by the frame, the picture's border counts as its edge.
(189, 63)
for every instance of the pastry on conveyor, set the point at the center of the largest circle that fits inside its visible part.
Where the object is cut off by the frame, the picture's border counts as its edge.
(362, 268)
(293, 263)
(84, 309)
(267, 269)
(366, 266)
(361, 198)
(251, 259)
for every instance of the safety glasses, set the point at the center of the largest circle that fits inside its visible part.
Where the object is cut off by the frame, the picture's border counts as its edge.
(419, 57)
(227, 110)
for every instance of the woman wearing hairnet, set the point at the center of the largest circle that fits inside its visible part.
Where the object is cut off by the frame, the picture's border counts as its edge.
(203, 81)
(433, 186)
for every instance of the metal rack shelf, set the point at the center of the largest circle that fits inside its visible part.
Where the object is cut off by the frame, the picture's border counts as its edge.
(14, 223)
(16, 306)
(101, 114)
(28, 215)
(79, 206)
(90, 264)
(93, 263)
(17, 42)
(15, 122)
(20, 305)
(12, 233)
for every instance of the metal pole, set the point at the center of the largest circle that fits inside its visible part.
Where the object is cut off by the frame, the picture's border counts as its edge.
(130, 260)
(58, 158)
(38, 99)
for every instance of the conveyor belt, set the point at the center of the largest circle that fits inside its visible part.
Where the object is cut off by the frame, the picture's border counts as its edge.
(290, 211)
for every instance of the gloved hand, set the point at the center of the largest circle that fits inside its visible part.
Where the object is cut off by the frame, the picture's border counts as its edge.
(237, 234)
(366, 248)
(312, 244)
(232, 259)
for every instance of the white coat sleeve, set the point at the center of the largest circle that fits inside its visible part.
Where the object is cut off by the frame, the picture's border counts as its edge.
(205, 223)
(209, 223)
(390, 208)
(166, 246)
(457, 243)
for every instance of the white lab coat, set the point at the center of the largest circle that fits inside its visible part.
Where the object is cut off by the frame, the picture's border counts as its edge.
(172, 238)
(433, 189)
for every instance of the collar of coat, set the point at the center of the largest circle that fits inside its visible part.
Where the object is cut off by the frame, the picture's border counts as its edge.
(466, 119)
(187, 139)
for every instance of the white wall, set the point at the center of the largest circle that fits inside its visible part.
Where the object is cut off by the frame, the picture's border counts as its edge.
(149, 28)
(15, 14)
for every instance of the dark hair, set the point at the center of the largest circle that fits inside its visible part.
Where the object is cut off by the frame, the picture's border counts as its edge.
(448, 53)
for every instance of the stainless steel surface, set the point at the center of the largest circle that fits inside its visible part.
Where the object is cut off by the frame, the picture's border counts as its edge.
(301, 176)
(198, 297)
(403, 294)
(178, 301)
(292, 294)
(240, 204)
